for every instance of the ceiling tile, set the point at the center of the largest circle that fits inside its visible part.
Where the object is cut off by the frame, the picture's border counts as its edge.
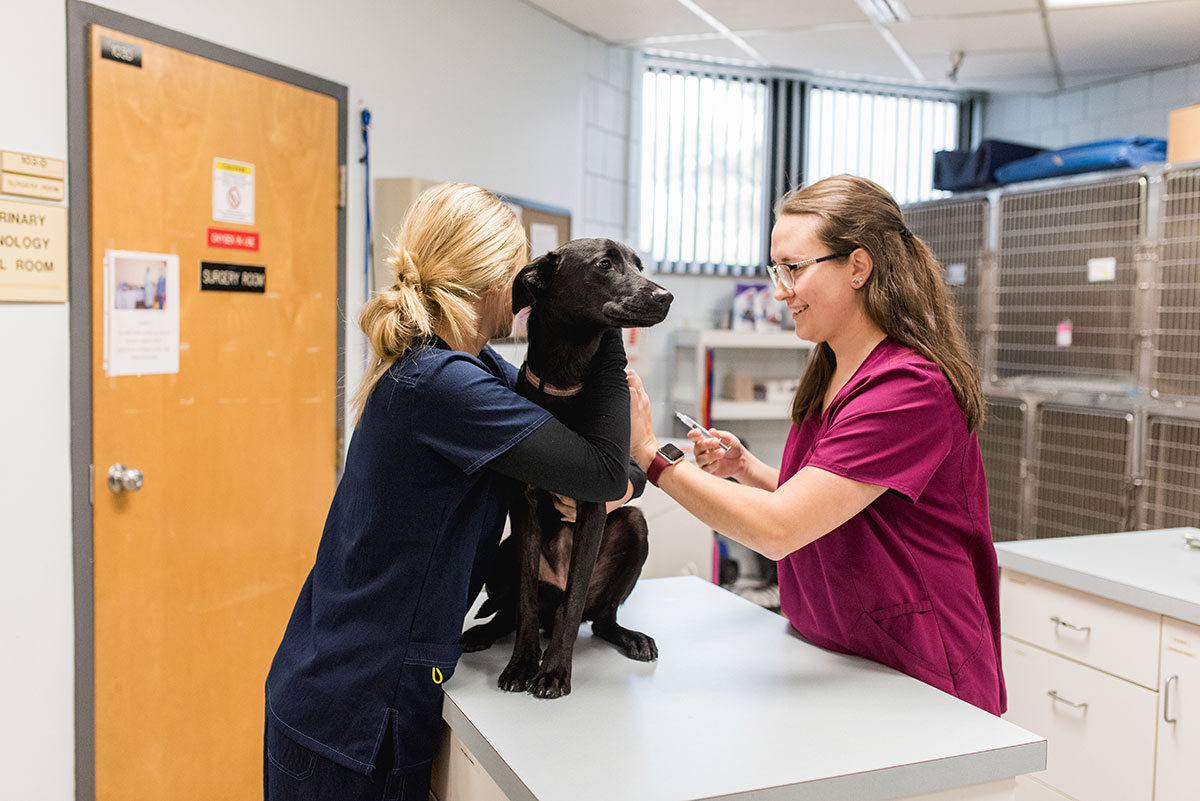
(1073, 80)
(1137, 37)
(978, 68)
(954, 8)
(1026, 85)
(626, 20)
(844, 51)
(746, 15)
(999, 32)
(718, 47)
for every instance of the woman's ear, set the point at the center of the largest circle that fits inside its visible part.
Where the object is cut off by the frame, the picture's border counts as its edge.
(861, 267)
(532, 279)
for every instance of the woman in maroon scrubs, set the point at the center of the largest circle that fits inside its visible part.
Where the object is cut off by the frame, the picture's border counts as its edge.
(879, 515)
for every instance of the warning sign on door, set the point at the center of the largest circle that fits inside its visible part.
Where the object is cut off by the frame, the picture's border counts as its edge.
(233, 191)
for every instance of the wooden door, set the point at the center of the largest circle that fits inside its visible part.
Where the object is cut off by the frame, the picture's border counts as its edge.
(195, 573)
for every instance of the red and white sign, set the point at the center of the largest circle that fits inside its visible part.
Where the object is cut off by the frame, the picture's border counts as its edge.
(234, 240)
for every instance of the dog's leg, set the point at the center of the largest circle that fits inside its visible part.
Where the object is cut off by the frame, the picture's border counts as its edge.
(553, 680)
(523, 665)
(626, 546)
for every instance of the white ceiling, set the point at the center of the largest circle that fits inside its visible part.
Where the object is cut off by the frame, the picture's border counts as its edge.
(1007, 45)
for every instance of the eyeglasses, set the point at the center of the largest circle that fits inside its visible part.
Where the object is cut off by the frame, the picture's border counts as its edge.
(785, 279)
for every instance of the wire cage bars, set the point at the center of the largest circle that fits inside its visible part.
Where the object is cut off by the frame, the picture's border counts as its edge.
(956, 232)
(1066, 280)
(1002, 442)
(1082, 471)
(1177, 313)
(1172, 468)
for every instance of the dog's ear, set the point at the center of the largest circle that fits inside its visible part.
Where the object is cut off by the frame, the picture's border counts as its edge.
(533, 278)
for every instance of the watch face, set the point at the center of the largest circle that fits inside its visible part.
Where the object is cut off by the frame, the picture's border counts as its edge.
(670, 452)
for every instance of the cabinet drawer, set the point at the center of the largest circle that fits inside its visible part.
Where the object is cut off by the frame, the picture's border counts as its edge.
(1107, 635)
(1100, 750)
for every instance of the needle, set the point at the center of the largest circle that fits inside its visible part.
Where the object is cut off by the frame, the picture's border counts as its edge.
(690, 423)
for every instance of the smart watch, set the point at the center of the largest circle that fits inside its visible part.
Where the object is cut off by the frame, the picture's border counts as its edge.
(666, 456)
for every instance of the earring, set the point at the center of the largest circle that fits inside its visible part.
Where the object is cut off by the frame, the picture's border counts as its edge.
(857, 281)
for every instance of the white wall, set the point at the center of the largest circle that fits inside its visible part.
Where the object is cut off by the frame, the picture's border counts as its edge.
(1136, 106)
(491, 92)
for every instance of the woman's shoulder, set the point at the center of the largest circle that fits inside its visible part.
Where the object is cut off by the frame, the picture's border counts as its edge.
(902, 369)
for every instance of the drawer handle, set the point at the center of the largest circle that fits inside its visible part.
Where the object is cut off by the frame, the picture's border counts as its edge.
(1071, 626)
(1167, 699)
(1054, 694)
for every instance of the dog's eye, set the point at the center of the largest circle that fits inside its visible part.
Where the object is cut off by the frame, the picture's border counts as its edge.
(604, 264)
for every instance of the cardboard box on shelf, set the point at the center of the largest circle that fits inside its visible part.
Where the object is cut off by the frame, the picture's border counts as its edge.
(1183, 135)
(737, 387)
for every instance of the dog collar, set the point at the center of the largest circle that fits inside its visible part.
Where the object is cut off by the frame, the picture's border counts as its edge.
(558, 392)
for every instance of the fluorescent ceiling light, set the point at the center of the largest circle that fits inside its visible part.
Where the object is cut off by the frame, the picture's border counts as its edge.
(884, 11)
(1078, 3)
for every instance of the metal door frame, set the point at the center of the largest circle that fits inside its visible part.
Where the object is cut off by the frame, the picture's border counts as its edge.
(80, 17)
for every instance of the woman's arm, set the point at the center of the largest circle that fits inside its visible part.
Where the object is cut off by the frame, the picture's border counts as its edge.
(807, 506)
(592, 462)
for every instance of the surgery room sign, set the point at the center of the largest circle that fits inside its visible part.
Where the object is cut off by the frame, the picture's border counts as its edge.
(217, 277)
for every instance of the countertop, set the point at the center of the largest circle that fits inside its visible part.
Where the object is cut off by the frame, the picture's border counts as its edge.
(735, 707)
(1151, 570)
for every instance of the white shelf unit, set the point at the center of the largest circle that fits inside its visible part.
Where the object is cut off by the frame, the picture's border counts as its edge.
(699, 362)
(696, 379)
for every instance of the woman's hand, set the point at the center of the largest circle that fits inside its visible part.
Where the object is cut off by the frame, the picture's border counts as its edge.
(712, 458)
(566, 506)
(642, 443)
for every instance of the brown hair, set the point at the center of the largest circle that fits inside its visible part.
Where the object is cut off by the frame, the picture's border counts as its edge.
(457, 243)
(905, 296)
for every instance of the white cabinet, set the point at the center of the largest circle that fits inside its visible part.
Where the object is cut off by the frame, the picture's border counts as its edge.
(1114, 689)
(1178, 765)
(1099, 728)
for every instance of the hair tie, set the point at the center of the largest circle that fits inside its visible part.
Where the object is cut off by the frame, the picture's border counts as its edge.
(906, 234)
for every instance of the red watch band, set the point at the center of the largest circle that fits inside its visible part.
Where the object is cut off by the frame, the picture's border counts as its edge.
(656, 467)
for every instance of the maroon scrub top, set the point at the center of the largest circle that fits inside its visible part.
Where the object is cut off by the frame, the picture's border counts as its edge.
(911, 581)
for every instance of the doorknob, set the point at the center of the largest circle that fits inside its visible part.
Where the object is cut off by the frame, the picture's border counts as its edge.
(124, 479)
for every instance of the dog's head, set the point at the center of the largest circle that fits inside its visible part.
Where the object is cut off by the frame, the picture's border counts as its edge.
(591, 282)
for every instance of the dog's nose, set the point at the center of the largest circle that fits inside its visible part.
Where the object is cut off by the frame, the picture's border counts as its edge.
(662, 296)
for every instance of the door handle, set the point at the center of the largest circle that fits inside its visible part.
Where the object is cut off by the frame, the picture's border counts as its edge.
(1080, 705)
(1059, 621)
(1167, 699)
(124, 479)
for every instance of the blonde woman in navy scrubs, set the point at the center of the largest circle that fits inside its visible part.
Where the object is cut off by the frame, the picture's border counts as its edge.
(354, 693)
(879, 515)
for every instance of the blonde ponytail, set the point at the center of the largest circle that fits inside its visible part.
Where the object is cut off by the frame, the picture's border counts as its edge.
(458, 242)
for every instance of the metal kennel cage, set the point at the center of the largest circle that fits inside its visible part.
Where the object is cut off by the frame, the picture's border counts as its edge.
(956, 232)
(1172, 473)
(1002, 442)
(1066, 280)
(1176, 333)
(1082, 471)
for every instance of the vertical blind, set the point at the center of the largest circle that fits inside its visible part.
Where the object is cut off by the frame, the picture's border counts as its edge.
(719, 146)
(703, 166)
(885, 136)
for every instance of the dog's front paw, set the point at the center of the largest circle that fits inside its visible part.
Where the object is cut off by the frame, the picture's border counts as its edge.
(517, 677)
(552, 683)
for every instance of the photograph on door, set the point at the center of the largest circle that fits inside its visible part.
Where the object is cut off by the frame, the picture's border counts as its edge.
(141, 313)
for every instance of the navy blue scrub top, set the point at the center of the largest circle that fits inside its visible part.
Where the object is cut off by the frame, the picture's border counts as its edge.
(377, 623)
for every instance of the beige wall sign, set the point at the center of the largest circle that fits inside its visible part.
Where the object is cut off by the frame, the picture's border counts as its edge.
(32, 176)
(33, 252)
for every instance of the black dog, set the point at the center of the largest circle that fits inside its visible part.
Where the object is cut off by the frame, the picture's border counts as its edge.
(575, 294)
